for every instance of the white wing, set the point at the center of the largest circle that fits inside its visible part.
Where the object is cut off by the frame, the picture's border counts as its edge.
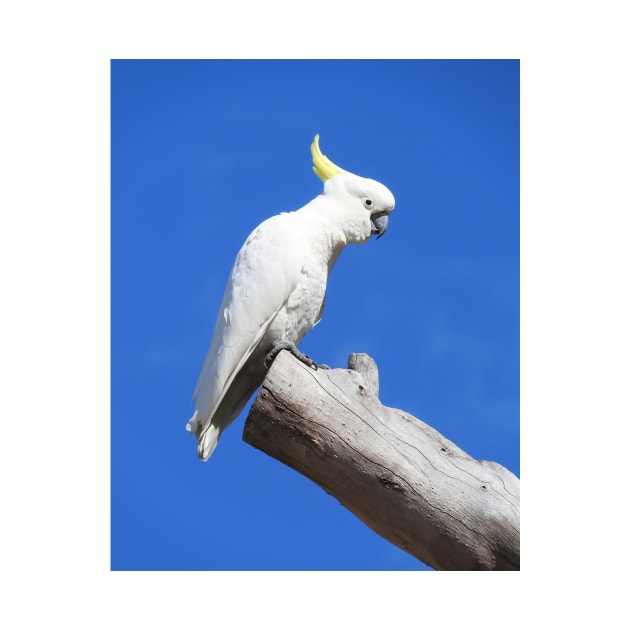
(263, 277)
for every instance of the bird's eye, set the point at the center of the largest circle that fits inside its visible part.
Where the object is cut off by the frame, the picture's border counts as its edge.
(367, 202)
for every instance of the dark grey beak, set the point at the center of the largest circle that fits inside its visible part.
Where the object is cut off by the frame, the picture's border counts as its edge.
(379, 223)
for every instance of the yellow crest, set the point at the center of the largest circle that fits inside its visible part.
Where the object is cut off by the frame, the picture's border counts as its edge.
(322, 166)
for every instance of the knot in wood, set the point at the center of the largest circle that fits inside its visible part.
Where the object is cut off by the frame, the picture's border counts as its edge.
(365, 365)
(388, 482)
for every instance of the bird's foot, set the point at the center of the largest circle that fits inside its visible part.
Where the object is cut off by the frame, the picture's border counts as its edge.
(292, 348)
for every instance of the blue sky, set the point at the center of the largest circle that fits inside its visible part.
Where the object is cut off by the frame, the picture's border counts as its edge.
(201, 153)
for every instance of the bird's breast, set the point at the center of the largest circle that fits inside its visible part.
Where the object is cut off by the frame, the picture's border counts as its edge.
(304, 306)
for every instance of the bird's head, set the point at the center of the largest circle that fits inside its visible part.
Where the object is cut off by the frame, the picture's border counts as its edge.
(369, 201)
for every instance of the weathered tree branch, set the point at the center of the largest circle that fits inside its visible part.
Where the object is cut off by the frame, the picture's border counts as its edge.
(398, 475)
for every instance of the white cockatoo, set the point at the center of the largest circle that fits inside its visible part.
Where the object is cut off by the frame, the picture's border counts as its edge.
(276, 290)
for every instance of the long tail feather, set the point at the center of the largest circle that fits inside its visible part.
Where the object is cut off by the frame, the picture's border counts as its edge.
(208, 442)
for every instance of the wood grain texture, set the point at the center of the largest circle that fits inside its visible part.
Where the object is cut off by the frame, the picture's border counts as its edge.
(394, 472)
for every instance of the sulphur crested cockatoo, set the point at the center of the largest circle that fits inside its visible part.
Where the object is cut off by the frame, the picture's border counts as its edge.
(276, 289)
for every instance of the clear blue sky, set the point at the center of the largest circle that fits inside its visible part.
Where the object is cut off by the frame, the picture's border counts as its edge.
(202, 152)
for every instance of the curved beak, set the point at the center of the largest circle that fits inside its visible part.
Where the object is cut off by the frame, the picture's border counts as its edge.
(379, 223)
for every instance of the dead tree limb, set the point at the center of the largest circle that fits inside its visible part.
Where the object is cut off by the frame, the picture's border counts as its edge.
(394, 472)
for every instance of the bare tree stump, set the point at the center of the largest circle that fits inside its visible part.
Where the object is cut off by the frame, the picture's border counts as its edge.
(394, 472)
